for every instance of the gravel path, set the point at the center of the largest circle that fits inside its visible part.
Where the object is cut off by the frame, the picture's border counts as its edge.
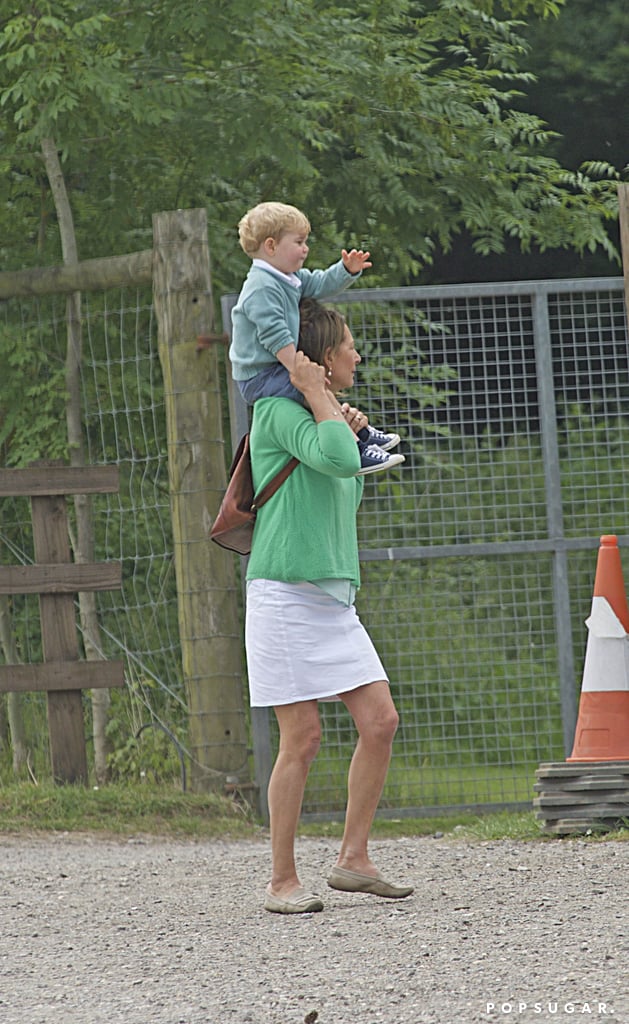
(152, 932)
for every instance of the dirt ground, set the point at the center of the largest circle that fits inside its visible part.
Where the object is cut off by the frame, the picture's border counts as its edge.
(159, 932)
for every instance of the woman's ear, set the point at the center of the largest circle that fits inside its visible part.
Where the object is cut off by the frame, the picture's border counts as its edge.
(327, 361)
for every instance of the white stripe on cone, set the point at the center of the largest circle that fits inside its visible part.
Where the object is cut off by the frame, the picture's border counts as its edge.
(607, 655)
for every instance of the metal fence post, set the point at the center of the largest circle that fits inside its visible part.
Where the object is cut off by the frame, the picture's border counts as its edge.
(554, 512)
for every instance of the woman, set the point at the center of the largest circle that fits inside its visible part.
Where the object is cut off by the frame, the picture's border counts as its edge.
(304, 640)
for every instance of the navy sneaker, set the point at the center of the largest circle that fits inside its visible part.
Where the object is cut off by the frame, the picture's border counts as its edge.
(370, 435)
(373, 459)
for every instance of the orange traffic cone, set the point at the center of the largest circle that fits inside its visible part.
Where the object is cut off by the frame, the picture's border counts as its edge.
(602, 732)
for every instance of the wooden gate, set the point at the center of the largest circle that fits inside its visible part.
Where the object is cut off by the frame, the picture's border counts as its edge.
(57, 580)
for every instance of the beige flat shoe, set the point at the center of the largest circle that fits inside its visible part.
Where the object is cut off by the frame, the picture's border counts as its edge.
(353, 881)
(298, 902)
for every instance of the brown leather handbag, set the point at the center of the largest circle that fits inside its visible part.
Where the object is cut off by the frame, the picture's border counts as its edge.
(236, 517)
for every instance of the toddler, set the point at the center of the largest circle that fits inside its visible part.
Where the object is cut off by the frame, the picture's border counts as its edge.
(265, 319)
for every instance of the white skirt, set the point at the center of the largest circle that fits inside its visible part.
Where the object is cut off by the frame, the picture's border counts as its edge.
(303, 644)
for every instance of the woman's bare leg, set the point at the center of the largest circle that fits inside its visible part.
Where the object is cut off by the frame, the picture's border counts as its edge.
(300, 737)
(376, 720)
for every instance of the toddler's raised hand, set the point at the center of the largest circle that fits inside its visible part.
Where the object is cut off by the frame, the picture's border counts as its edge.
(355, 260)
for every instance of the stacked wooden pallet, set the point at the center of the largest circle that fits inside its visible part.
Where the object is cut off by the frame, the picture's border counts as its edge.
(582, 797)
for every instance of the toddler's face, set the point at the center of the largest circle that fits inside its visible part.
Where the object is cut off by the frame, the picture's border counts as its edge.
(289, 253)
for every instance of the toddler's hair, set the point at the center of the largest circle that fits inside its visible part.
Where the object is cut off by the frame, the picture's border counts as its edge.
(320, 329)
(269, 220)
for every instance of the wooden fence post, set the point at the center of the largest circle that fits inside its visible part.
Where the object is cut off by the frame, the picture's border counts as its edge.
(208, 604)
(60, 642)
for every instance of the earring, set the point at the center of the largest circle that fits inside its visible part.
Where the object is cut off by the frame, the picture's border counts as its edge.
(329, 371)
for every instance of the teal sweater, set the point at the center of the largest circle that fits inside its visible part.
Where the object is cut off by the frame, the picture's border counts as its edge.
(266, 315)
(307, 530)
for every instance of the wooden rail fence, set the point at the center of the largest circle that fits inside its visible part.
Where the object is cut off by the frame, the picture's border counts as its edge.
(57, 580)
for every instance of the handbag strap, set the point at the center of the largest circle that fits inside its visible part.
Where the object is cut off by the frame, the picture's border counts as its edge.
(269, 489)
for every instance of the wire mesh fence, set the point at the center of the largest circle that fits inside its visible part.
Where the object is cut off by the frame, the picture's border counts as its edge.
(478, 554)
(122, 395)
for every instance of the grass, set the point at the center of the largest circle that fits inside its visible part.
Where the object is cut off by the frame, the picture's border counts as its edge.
(122, 810)
(119, 810)
(422, 784)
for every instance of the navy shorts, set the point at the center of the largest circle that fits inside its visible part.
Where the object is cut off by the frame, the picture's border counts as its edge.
(272, 382)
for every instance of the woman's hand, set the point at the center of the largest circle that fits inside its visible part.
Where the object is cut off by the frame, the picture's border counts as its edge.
(306, 376)
(309, 378)
(354, 417)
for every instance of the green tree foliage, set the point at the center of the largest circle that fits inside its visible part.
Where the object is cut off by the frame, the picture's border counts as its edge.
(394, 125)
(578, 86)
(582, 79)
(31, 398)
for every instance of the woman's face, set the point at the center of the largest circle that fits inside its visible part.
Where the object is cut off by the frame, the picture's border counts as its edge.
(343, 362)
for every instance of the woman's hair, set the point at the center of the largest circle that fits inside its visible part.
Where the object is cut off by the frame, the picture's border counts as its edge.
(320, 329)
(269, 220)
